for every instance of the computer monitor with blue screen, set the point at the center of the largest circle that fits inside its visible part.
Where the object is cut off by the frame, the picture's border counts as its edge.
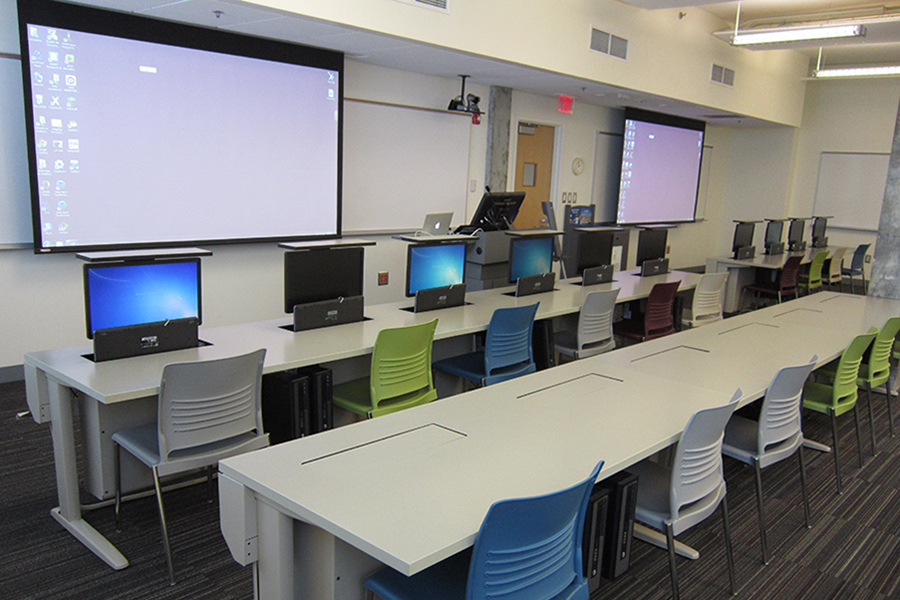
(135, 293)
(434, 265)
(530, 256)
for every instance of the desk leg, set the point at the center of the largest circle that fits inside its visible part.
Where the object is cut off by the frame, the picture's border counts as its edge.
(275, 566)
(658, 539)
(68, 514)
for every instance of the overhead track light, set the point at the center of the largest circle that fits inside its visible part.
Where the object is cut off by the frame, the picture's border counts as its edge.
(880, 71)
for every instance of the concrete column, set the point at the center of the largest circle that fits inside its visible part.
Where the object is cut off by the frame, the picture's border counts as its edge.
(886, 266)
(499, 115)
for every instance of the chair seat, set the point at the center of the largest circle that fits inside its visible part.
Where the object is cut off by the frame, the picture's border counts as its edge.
(142, 442)
(818, 397)
(444, 581)
(355, 396)
(741, 443)
(634, 329)
(566, 342)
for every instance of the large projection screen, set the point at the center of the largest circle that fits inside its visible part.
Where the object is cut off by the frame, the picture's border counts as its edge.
(145, 133)
(660, 175)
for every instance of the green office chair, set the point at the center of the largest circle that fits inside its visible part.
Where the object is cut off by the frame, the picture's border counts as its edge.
(812, 281)
(400, 376)
(840, 396)
(877, 370)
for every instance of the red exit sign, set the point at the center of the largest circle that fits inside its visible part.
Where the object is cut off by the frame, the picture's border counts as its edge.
(566, 104)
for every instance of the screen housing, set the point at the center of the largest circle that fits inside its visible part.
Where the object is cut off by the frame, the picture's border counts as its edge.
(181, 275)
(818, 228)
(434, 265)
(774, 231)
(530, 255)
(659, 182)
(594, 249)
(651, 245)
(206, 223)
(319, 274)
(795, 231)
(497, 210)
(743, 235)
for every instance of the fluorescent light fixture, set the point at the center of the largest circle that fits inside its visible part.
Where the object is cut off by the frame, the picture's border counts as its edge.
(882, 71)
(797, 34)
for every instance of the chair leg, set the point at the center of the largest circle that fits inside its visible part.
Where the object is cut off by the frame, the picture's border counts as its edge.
(370, 595)
(871, 419)
(673, 572)
(210, 489)
(858, 434)
(728, 554)
(762, 518)
(834, 447)
(803, 486)
(892, 378)
(162, 522)
(118, 468)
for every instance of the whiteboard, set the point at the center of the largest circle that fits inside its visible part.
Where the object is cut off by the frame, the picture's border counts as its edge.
(401, 163)
(15, 197)
(851, 188)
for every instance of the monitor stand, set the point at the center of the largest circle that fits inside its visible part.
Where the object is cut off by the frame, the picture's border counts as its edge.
(147, 338)
(313, 315)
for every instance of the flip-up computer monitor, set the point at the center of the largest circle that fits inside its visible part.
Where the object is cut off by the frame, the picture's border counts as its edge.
(774, 231)
(795, 231)
(434, 265)
(743, 236)
(530, 256)
(594, 250)
(651, 245)
(497, 210)
(320, 274)
(118, 294)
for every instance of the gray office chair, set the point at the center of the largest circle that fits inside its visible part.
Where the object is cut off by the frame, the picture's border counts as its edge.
(708, 298)
(776, 436)
(595, 327)
(677, 498)
(208, 410)
(835, 268)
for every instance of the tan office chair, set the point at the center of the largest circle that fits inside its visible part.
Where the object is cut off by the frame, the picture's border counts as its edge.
(708, 298)
(208, 410)
(595, 327)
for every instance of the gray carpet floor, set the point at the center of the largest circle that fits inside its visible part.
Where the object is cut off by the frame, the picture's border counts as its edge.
(852, 551)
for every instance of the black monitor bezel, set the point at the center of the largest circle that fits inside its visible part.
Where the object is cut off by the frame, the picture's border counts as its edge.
(586, 237)
(94, 266)
(515, 241)
(797, 225)
(497, 210)
(290, 273)
(650, 238)
(409, 252)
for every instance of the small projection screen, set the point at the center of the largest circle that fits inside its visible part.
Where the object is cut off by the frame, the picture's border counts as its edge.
(146, 133)
(660, 174)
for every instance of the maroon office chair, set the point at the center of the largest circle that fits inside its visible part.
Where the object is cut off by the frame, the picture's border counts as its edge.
(657, 319)
(784, 285)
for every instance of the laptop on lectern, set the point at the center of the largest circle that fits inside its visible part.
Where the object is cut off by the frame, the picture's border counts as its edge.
(437, 223)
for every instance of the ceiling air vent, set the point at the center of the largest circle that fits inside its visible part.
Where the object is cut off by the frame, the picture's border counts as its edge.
(440, 5)
(722, 75)
(607, 43)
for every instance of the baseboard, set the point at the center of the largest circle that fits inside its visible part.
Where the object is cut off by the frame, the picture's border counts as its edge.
(13, 373)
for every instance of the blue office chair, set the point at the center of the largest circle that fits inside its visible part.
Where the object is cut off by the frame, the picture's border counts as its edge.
(857, 268)
(526, 549)
(507, 350)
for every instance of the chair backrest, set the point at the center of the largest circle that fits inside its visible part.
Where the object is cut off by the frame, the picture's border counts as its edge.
(595, 322)
(858, 262)
(815, 269)
(508, 340)
(878, 361)
(658, 317)
(837, 263)
(401, 361)
(779, 419)
(530, 548)
(788, 278)
(708, 295)
(697, 466)
(844, 387)
(208, 401)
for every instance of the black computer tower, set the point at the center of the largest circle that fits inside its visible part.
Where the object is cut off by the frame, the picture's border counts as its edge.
(594, 538)
(321, 409)
(542, 344)
(285, 406)
(623, 488)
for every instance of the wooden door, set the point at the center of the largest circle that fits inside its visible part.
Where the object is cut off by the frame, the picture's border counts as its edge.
(534, 167)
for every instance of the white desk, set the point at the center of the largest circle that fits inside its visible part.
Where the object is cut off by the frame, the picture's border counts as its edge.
(742, 272)
(122, 393)
(319, 514)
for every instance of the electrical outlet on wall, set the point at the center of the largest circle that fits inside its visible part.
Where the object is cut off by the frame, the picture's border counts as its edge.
(382, 278)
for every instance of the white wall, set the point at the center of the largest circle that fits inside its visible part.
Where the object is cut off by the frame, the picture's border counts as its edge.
(667, 55)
